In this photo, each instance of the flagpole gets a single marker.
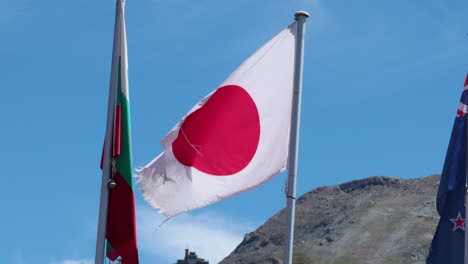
(466, 217)
(301, 17)
(107, 160)
(465, 253)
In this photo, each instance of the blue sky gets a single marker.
(382, 80)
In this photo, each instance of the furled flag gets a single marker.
(448, 243)
(121, 224)
(233, 140)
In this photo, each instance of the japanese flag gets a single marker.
(233, 140)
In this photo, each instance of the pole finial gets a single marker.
(301, 13)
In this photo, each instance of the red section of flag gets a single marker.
(117, 130)
(466, 82)
(112, 255)
(121, 224)
(222, 136)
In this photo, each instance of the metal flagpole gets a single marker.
(107, 161)
(301, 17)
(466, 217)
(465, 253)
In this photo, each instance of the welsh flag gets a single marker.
(121, 224)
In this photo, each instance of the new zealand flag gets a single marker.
(448, 243)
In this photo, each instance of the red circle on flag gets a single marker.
(222, 136)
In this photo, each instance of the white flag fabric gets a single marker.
(233, 140)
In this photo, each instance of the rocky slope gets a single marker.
(374, 220)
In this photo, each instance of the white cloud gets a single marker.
(212, 236)
(74, 261)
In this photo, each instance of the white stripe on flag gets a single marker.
(462, 108)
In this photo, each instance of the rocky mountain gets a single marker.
(374, 220)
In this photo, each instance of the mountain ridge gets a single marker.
(379, 219)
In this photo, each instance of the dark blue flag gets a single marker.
(449, 240)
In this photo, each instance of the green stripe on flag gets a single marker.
(124, 161)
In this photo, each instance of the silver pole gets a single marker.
(301, 17)
(106, 170)
(465, 253)
(466, 217)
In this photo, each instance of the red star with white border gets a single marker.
(459, 223)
